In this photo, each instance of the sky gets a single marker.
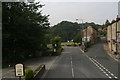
(97, 12)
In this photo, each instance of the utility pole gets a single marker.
(117, 34)
(81, 31)
(86, 38)
(111, 39)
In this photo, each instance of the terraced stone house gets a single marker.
(113, 37)
(90, 35)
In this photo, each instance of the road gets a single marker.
(73, 63)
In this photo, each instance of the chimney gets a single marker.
(117, 18)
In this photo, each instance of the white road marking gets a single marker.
(104, 68)
(101, 67)
(71, 62)
(116, 77)
(82, 51)
(72, 67)
(112, 74)
(72, 73)
(109, 77)
(104, 72)
(107, 71)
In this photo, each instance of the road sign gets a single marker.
(19, 70)
(55, 45)
(54, 50)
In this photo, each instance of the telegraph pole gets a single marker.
(81, 30)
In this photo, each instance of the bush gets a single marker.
(48, 52)
(29, 74)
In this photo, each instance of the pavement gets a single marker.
(74, 63)
(33, 63)
(115, 57)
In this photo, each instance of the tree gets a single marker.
(56, 42)
(104, 29)
(107, 23)
(78, 38)
(68, 30)
(24, 29)
(113, 21)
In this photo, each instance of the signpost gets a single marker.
(19, 70)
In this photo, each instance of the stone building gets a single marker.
(90, 35)
(113, 37)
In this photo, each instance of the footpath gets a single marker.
(33, 63)
(115, 57)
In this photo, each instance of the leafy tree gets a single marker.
(66, 30)
(107, 23)
(113, 21)
(104, 31)
(24, 29)
(56, 42)
(69, 30)
(78, 38)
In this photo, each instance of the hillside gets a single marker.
(69, 30)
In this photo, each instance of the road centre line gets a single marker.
(72, 67)
(71, 62)
(72, 73)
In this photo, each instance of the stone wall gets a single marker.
(118, 35)
(113, 37)
(109, 37)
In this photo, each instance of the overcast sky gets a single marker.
(66, 10)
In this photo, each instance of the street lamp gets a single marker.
(81, 30)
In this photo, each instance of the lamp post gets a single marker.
(82, 31)
(86, 39)
(117, 19)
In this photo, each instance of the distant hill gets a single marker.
(69, 30)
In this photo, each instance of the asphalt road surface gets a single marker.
(73, 63)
